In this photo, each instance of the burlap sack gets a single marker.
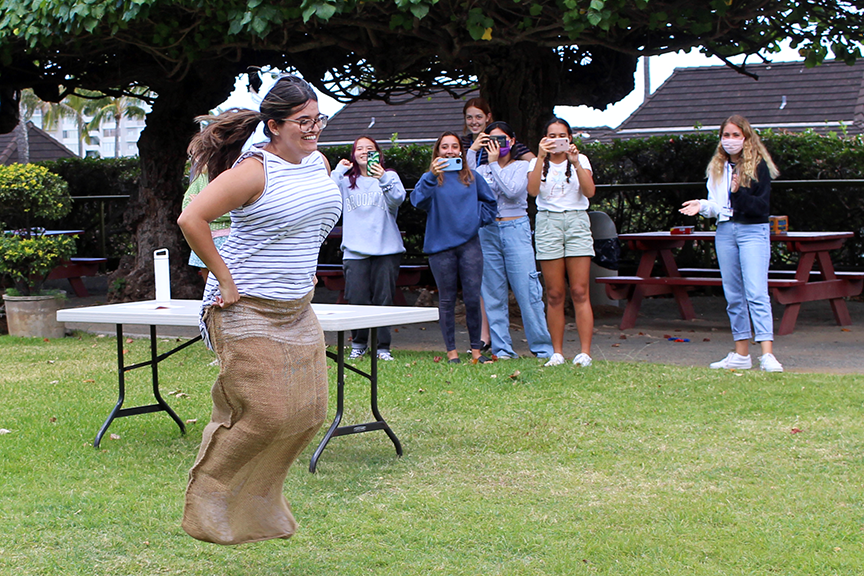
(268, 402)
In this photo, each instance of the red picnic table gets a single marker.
(790, 287)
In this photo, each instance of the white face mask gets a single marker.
(732, 146)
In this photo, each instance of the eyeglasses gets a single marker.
(306, 124)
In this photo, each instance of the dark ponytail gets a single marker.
(218, 145)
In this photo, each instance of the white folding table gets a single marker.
(333, 318)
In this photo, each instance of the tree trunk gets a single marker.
(520, 86)
(22, 137)
(152, 213)
(524, 83)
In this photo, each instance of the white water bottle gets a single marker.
(162, 272)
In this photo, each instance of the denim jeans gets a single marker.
(465, 263)
(508, 257)
(744, 253)
(371, 281)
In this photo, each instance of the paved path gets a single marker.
(817, 345)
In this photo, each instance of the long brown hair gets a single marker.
(466, 176)
(752, 155)
(218, 145)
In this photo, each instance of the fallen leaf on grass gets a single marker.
(125, 351)
(54, 382)
(94, 345)
(52, 419)
(46, 339)
(89, 380)
(449, 391)
(421, 390)
(129, 340)
(493, 376)
(845, 330)
(192, 421)
(100, 335)
(50, 361)
(114, 437)
(795, 431)
(5, 431)
(437, 359)
(515, 374)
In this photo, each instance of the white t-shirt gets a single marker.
(556, 193)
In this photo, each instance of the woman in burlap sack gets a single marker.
(271, 394)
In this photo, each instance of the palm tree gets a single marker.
(73, 106)
(116, 109)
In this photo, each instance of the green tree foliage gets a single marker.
(526, 56)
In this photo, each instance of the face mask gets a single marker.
(732, 146)
(504, 150)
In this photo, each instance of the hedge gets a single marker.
(660, 159)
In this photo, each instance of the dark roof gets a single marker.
(413, 120)
(42, 147)
(787, 96)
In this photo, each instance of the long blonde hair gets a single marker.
(751, 156)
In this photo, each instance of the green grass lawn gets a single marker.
(509, 468)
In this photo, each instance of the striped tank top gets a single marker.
(272, 250)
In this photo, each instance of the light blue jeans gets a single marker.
(744, 253)
(508, 257)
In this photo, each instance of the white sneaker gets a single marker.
(733, 361)
(555, 360)
(385, 355)
(582, 360)
(357, 353)
(769, 363)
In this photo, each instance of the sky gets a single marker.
(660, 68)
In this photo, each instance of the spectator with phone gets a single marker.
(561, 179)
(508, 256)
(372, 245)
(478, 115)
(457, 203)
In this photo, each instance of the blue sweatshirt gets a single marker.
(369, 214)
(455, 211)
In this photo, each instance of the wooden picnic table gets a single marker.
(806, 284)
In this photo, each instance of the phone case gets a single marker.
(560, 145)
(453, 164)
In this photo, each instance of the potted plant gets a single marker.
(30, 195)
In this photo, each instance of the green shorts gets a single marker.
(563, 235)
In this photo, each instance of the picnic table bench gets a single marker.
(334, 279)
(790, 287)
(74, 269)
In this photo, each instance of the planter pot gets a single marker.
(34, 316)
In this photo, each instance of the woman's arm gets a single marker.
(234, 188)
(487, 201)
(393, 190)
(755, 201)
(424, 191)
(585, 175)
(512, 183)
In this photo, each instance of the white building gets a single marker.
(102, 140)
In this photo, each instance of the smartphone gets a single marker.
(452, 164)
(373, 157)
(560, 145)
